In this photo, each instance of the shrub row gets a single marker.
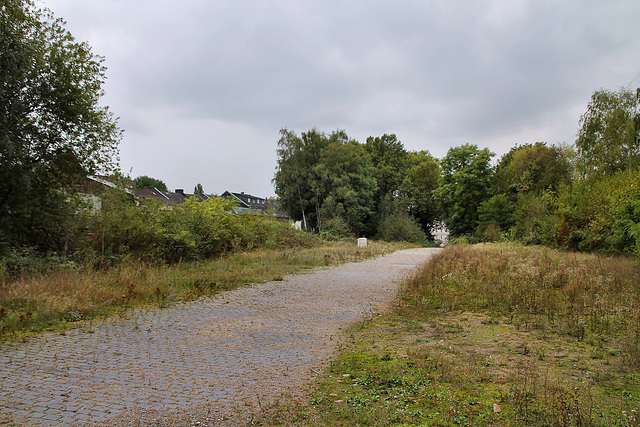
(153, 232)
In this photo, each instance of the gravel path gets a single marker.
(208, 362)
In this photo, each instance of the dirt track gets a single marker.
(209, 362)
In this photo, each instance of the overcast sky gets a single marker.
(202, 87)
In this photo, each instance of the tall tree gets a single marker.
(417, 191)
(346, 184)
(324, 179)
(294, 177)
(609, 135)
(389, 158)
(465, 183)
(52, 127)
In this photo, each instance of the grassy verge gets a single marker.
(490, 335)
(66, 296)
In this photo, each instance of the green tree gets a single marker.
(389, 158)
(52, 127)
(401, 227)
(601, 215)
(198, 190)
(145, 181)
(294, 177)
(324, 180)
(417, 191)
(465, 183)
(345, 184)
(527, 179)
(495, 214)
(533, 168)
(609, 135)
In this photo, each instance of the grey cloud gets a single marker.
(437, 73)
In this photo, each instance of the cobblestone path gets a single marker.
(239, 348)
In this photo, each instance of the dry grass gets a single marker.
(47, 301)
(583, 296)
(490, 335)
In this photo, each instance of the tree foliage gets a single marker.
(497, 213)
(297, 158)
(389, 159)
(466, 182)
(345, 183)
(609, 135)
(401, 227)
(52, 127)
(602, 215)
(145, 181)
(417, 191)
(533, 168)
(320, 178)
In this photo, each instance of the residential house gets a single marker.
(92, 188)
(166, 197)
(249, 203)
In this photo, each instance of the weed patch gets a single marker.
(490, 335)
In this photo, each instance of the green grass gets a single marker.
(63, 297)
(490, 335)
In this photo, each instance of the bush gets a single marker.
(336, 228)
(602, 215)
(400, 227)
(495, 215)
(150, 231)
(536, 219)
(193, 230)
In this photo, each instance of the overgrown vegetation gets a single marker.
(580, 197)
(69, 293)
(333, 183)
(52, 126)
(124, 230)
(490, 335)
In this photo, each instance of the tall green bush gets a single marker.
(537, 219)
(401, 227)
(193, 230)
(602, 215)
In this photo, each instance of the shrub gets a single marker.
(536, 219)
(400, 227)
(336, 228)
(494, 215)
(602, 215)
(193, 230)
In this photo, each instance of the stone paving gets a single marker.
(252, 343)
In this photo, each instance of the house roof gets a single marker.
(165, 197)
(248, 202)
(92, 184)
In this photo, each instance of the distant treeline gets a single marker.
(581, 197)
